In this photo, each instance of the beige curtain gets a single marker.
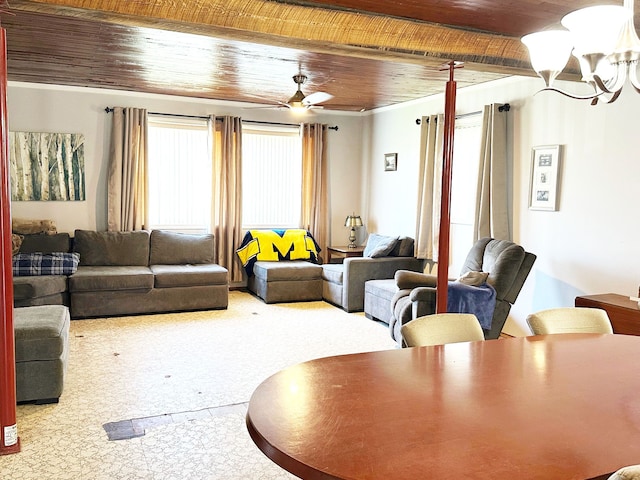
(429, 187)
(226, 193)
(315, 205)
(492, 204)
(127, 183)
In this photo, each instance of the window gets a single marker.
(271, 176)
(464, 184)
(179, 174)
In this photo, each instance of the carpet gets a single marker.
(189, 376)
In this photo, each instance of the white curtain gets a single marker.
(429, 187)
(127, 177)
(492, 203)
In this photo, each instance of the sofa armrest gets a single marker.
(358, 270)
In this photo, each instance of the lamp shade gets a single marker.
(353, 221)
(596, 29)
(549, 50)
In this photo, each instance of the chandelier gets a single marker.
(603, 39)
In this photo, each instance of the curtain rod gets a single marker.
(502, 108)
(255, 122)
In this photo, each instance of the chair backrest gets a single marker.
(569, 320)
(631, 472)
(441, 328)
(507, 263)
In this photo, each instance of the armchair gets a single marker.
(507, 264)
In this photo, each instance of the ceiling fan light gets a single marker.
(596, 29)
(297, 107)
(549, 51)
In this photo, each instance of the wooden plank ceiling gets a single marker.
(366, 53)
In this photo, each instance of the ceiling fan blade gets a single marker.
(279, 105)
(317, 97)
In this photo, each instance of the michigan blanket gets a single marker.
(275, 245)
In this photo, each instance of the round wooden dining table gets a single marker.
(541, 407)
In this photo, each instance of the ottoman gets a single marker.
(377, 299)
(286, 281)
(42, 348)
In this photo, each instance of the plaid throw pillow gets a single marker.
(27, 264)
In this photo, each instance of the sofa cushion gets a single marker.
(25, 288)
(89, 279)
(189, 275)
(171, 248)
(29, 264)
(43, 243)
(294, 270)
(41, 332)
(379, 246)
(333, 272)
(112, 248)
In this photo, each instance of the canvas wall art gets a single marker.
(47, 166)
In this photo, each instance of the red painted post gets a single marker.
(445, 199)
(9, 440)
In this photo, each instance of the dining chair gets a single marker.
(441, 328)
(569, 320)
(631, 472)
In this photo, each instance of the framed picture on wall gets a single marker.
(544, 184)
(390, 162)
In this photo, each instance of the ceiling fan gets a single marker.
(300, 102)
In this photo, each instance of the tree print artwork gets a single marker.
(47, 166)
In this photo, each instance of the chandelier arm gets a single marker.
(615, 96)
(633, 75)
(571, 95)
(614, 84)
(615, 93)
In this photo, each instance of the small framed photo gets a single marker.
(390, 162)
(544, 184)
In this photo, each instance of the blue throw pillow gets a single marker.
(379, 246)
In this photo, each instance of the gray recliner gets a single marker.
(507, 263)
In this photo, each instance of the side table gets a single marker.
(344, 252)
(622, 311)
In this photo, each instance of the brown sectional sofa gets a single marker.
(123, 273)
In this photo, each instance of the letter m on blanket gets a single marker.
(275, 245)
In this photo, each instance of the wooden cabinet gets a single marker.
(623, 312)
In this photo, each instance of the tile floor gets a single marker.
(174, 388)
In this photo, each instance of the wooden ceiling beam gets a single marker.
(319, 30)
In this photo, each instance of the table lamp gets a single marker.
(353, 221)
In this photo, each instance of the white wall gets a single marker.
(43, 108)
(586, 247)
